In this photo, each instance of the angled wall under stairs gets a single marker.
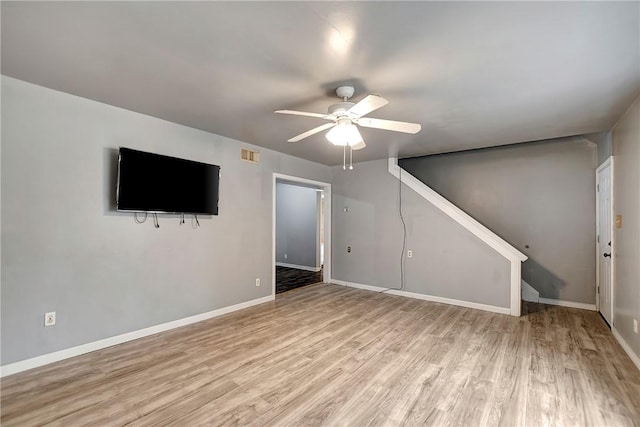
(377, 219)
(540, 197)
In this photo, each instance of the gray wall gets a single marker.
(66, 250)
(603, 142)
(626, 202)
(448, 261)
(296, 224)
(536, 194)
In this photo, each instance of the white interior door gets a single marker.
(604, 241)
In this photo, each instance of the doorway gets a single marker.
(301, 232)
(604, 241)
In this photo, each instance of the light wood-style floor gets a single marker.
(330, 355)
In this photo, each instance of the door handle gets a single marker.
(606, 255)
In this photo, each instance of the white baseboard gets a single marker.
(571, 304)
(299, 267)
(513, 255)
(45, 359)
(432, 298)
(626, 347)
(358, 285)
(451, 301)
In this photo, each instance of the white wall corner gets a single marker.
(501, 246)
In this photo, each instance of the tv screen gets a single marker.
(150, 182)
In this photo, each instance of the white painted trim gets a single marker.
(299, 267)
(450, 301)
(326, 187)
(432, 298)
(319, 219)
(296, 179)
(613, 242)
(597, 234)
(358, 285)
(514, 256)
(482, 232)
(627, 348)
(604, 165)
(45, 359)
(571, 304)
(515, 286)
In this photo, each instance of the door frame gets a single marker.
(607, 163)
(326, 187)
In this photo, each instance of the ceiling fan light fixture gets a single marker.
(344, 133)
(345, 115)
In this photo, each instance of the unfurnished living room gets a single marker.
(320, 213)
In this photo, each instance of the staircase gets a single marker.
(514, 256)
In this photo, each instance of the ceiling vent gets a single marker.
(250, 155)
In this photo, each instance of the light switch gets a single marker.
(618, 221)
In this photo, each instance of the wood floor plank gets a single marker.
(369, 403)
(508, 401)
(411, 410)
(331, 355)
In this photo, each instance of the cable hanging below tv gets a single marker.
(152, 183)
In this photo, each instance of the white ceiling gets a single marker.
(473, 74)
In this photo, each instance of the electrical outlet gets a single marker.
(635, 326)
(50, 319)
(257, 282)
(409, 254)
(285, 256)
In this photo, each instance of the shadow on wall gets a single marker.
(110, 178)
(542, 280)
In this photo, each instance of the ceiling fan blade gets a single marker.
(367, 105)
(311, 132)
(304, 113)
(390, 125)
(358, 146)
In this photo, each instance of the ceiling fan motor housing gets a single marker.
(345, 92)
(340, 108)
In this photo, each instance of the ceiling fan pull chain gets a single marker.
(351, 157)
(344, 157)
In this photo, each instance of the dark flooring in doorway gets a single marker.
(292, 278)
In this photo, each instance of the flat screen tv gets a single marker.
(150, 182)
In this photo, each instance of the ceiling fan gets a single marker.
(344, 117)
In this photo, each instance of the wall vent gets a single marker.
(250, 155)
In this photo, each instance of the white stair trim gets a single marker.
(529, 293)
(514, 256)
